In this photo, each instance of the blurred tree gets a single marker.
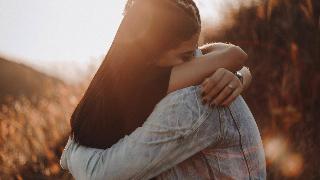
(282, 38)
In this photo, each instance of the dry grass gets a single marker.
(32, 134)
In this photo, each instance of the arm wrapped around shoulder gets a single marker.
(239, 54)
(218, 46)
(193, 72)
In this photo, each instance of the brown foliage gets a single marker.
(282, 39)
(32, 134)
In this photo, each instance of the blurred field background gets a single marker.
(282, 39)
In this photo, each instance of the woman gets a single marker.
(139, 70)
(144, 64)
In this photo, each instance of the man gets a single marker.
(181, 139)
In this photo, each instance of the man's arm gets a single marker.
(193, 72)
(214, 46)
(173, 132)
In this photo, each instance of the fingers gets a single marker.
(232, 97)
(221, 88)
(203, 84)
(228, 89)
(215, 84)
(215, 91)
(210, 82)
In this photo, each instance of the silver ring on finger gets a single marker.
(231, 86)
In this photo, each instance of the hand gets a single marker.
(221, 88)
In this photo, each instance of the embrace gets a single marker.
(161, 107)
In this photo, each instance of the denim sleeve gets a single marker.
(179, 127)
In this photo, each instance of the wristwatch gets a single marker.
(240, 76)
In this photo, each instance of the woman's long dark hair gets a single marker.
(128, 83)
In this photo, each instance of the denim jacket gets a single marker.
(181, 139)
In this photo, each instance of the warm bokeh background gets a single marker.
(282, 39)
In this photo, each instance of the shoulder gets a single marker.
(189, 96)
(179, 108)
(180, 97)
